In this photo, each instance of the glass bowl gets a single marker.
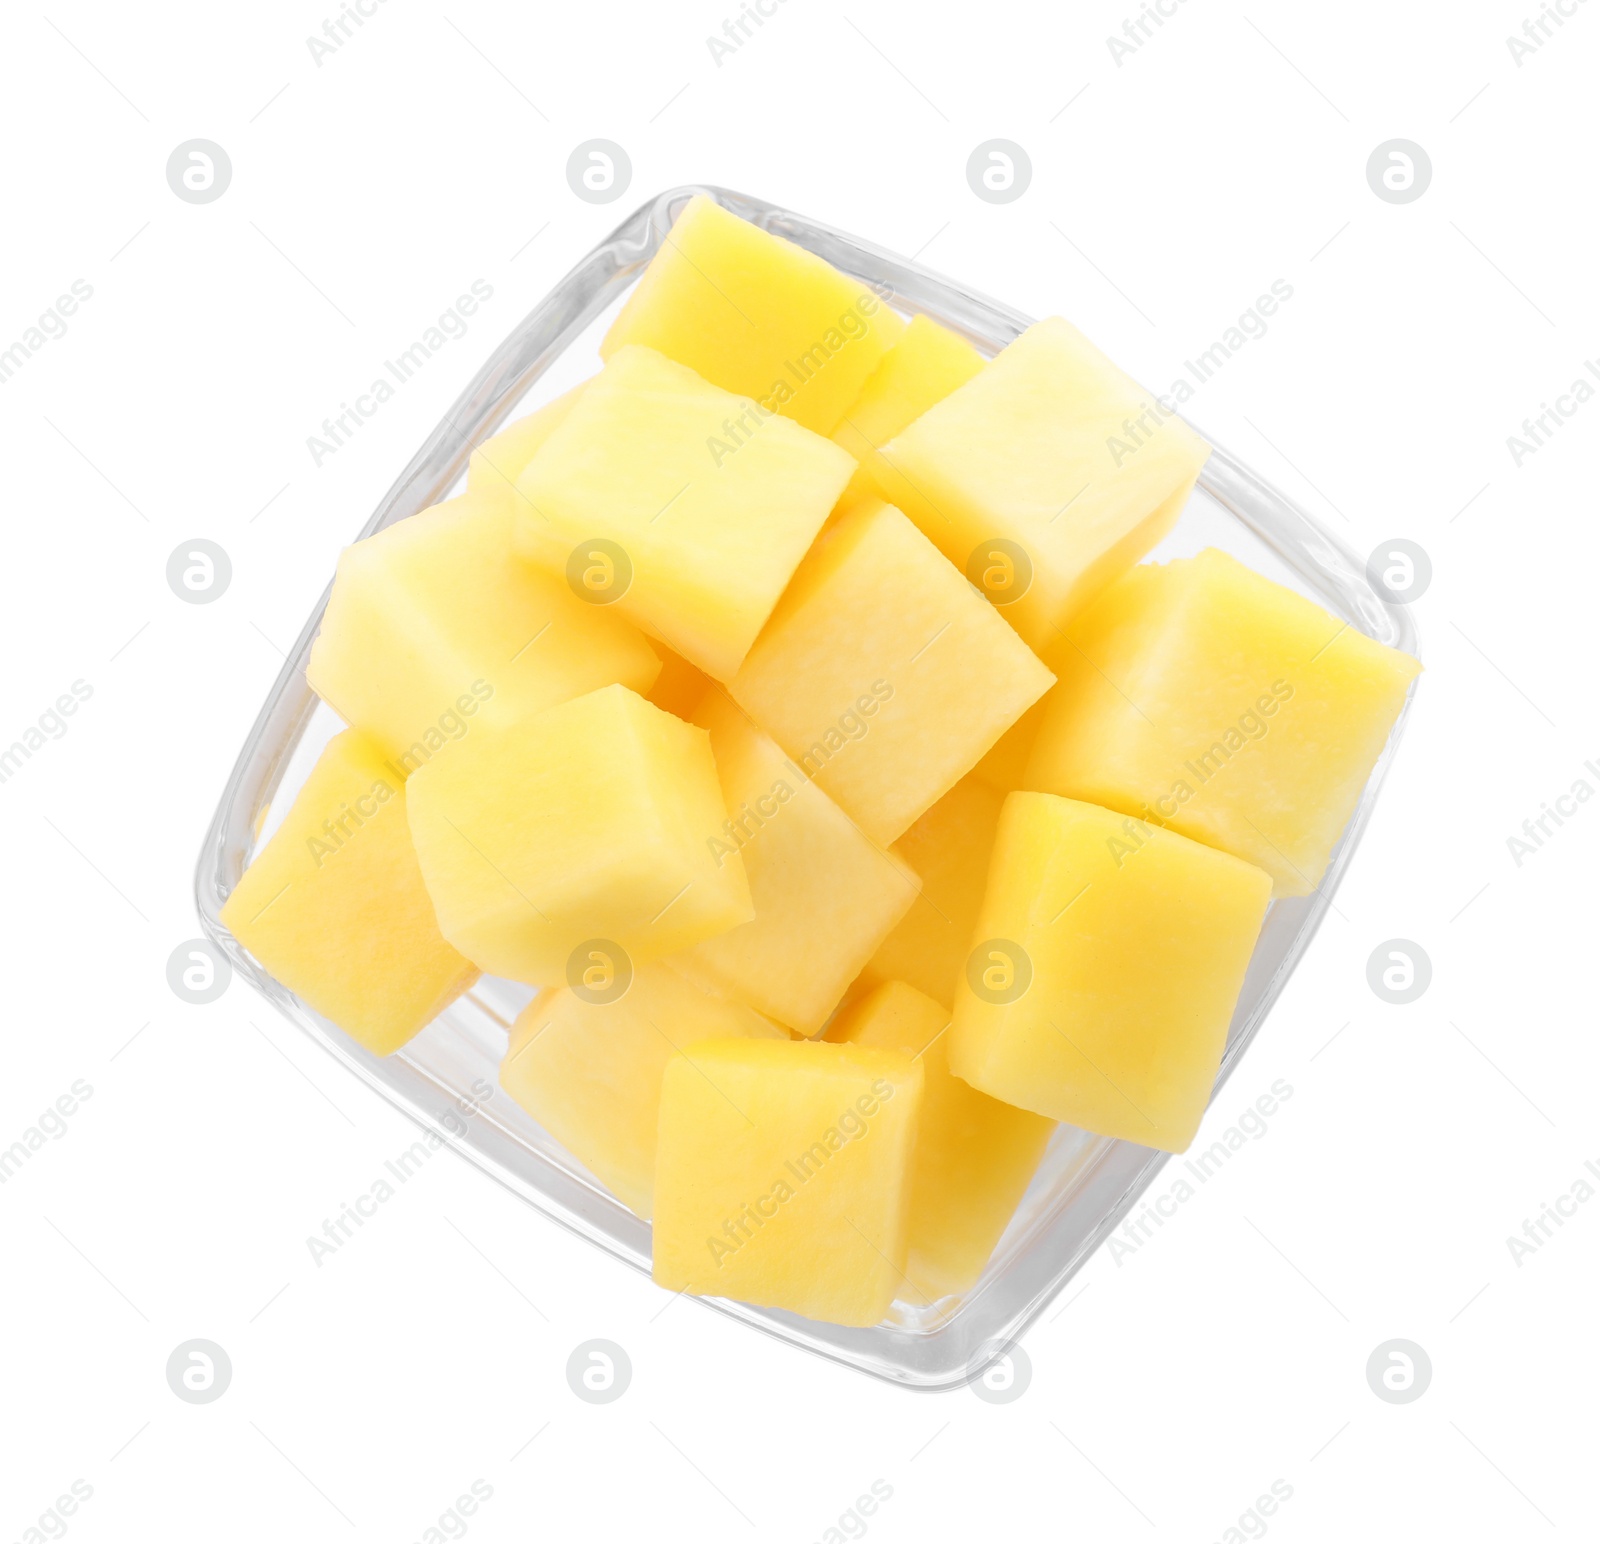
(1086, 1184)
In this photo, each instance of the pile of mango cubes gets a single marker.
(789, 705)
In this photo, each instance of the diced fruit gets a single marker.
(948, 848)
(824, 894)
(691, 504)
(924, 367)
(587, 1066)
(334, 905)
(783, 1175)
(1108, 958)
(974, 1155)
(497, 463)
(680, 686)
(435, 625)
(584, 825)
(1205, 698)
(757, 315)
(883, 673)
(1005, 764)
(1046, 475)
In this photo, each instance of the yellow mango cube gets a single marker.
(974, 1155)
(757, 315)
(1108, 958)
(335, 908)
(692, 505)
(587, 1066)
(1205, 698)
(1046, 475)
(584, 825)
(923, 368)
(435, 625)
(783, 1175)
(948, 849)
(824, 895)
(499, 461)
(884, 673)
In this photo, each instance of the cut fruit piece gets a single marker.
(690, 505)
(586, 825)
(497, 463)
(335, 908)
(1046, 475)
(587, 1066)
(825, 896)
(1109, 958)
(680, 686)
(1207, 699)
(883, 673)
(923, 368)
(1004, 766)
(948, 849)
(974, 1155)
(435, 625)
(783, 1175)
(757, 315)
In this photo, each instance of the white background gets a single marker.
(1168, 1391)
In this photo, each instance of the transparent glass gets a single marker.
(1086, 1183)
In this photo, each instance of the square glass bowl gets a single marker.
(446, 1078)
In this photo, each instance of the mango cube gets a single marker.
(1046, 475)
(588, 1068)
(335, 908)
(693, 504)
(948, 849)
(1205, 698)
(499, 461)
(757, 315)
(783, 1175)
(974, 1155)
(923, 368)
(884, 673)
(585, 825)
(1108, 958)
(824, 895)
(435, 625)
